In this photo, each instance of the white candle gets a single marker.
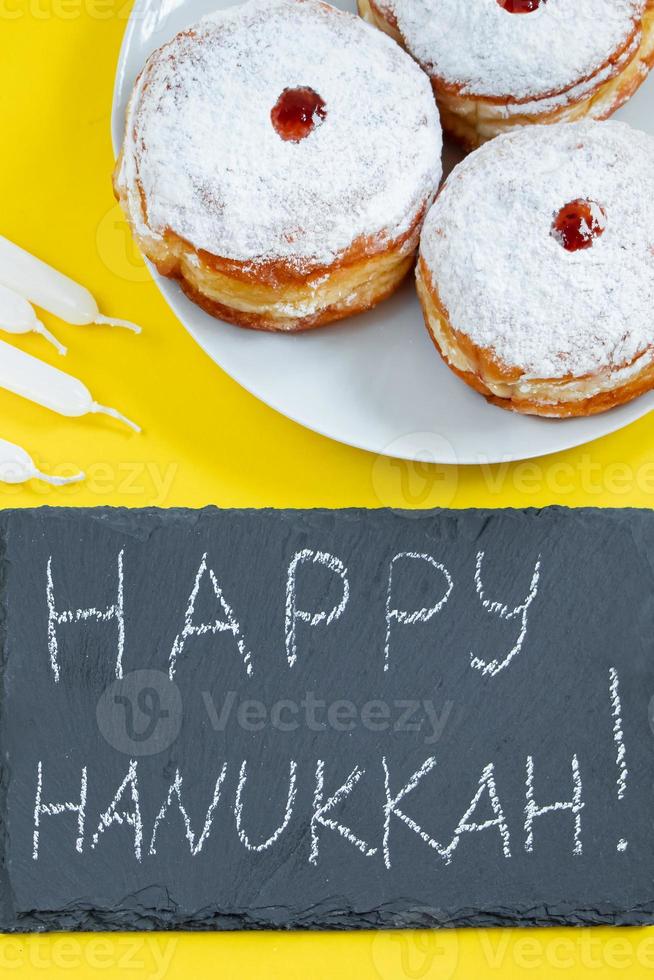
(17, 467)
(51, 290)
(48, 386)
(17, 316)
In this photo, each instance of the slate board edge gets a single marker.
(108, 920)
(6, 912)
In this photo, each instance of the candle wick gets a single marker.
(113, 322)
(115, 415)
(58, 481)
(44, 332)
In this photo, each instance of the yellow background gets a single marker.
(206, 441)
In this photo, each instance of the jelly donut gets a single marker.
(499, 64)
(278, 160)
(536, 268)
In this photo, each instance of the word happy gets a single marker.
(303, 563)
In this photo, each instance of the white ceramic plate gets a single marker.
(375, 381)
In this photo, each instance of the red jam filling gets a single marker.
(578, 224)
(521, 6)
(297, 112)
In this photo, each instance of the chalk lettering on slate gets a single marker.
(132, 817)
(467, 826)
(493, 667)
(322, 808)
(115, 611)
(53, 809)
(391, 808)
(405, 617)
(618, 738)
(293, 614)
(176, 791)
(228, 624)
(288, 813)
(336, 796)
(575, 805)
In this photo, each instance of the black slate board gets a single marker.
(531, 684)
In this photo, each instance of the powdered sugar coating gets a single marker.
(201, 146)
(508, 284)
(488, 51)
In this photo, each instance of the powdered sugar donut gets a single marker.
(279, 159)
(499, 64)
(536, 268)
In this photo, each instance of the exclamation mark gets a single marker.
(618, 738)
